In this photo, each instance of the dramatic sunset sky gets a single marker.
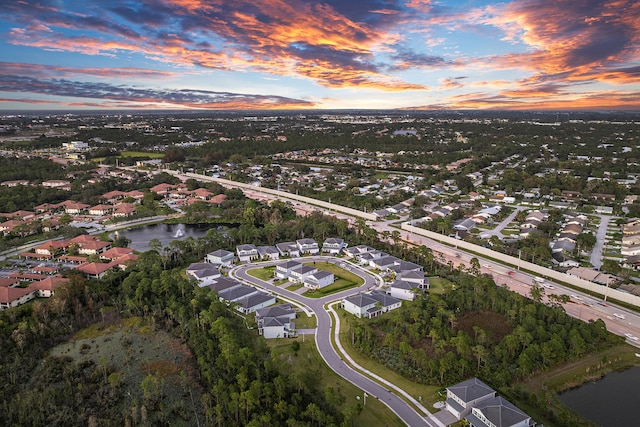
(332, 54)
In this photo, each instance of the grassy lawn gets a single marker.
(437, 285)
(344, 280)
(510, 231)
(307, 360)
(305, 322)
(294, 287)
(428, 393)
(337, 271)
(141, 154)
(265, 274)
(337, 286)
(133, 154)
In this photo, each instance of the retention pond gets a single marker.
(611, 401)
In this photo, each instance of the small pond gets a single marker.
(166, 233)
(611, 401)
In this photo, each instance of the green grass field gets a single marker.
(132, 154)
(344, 280)
(437, 285)
(265, 274)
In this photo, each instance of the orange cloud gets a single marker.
(49, 71)
(275, 36)
(615, 100)
(567, 38)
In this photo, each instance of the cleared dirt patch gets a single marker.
(495, 325)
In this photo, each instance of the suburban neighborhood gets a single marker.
(535, 205)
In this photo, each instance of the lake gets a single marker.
(611, 401)
(166, 233)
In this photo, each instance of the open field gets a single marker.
(125, 154)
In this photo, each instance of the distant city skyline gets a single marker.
(334, 54)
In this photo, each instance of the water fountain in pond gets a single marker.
(179, 231)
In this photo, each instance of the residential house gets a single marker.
(94, 270)
(632, 227)
(563, 260)
(100, 210)
(46, 207)
(11, 226)
(93, 247)
(46, 288)
(333, 245)
(405, 266)
(381, 213)
(283, 271)
(21, 215)
(462, 397)
(403, 290)
(237, 293)
(308, 246)
(115, 253)
(370, 304)
(113, 196)
(592, 275)
(465, 225)
(498, 411)
(13, 297)
(224, 283)
(289, 249)
(302, 273)
(15, 183)
(162, 189)
(202, 194)
(51, 248)
(135, 194)
(572, 228)
(57, 183)
(415, 276)
(74, 208)
(204, 272)
(123, 210)
(355, 251)
(384, 263)
(565, 246)
(256, 301)
(319, 279)
(26, 277)
(247, 253)
(125, 261)
(268, 253)
(276, 321)
(221, 257)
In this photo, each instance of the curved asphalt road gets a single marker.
(323, 338)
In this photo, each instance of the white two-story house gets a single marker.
(333, 246)
(307, 246)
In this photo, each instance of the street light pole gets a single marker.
(519, 258)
